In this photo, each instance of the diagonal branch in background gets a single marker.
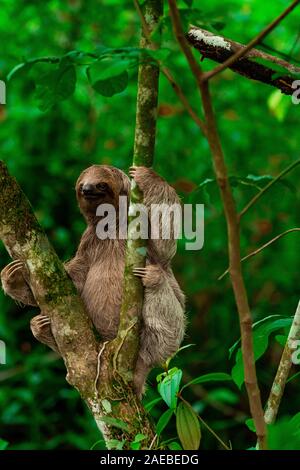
(232, 221)
(268, 69)
(108, 399)
(283, 371)
(261, 248)
(254, 42)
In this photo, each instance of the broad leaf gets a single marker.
(169, 387)
(261, 335)
(109, 76)
(188, 427)
(163, 421)
(56, 85)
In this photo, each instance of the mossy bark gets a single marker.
(89, 363)
(144, 145)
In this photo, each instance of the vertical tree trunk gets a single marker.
(144, 144)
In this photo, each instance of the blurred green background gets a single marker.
(46, 151)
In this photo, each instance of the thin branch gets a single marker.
(283, 370)
(243, 51)
(168, 74)
(268, 186)
(220, 48)
(258, 250)
(181, 39)
(233, 234)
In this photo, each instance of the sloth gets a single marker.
(97, 270)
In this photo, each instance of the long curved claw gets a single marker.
(43, 320)
(14, 265)
(139, 272)
(14, 269)
(132, 171)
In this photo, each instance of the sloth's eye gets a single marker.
(102, 186)
(80, 186)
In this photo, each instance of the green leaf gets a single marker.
(250, 424)
(163, 421)
(169, 387)
(223, 395)
(255, 325)
(278, 104)
(189, 3)
(174, 446)
(281, 339)
(106, 405)
(284, 434)
(261, 335)
(3, 444)
(116, 422)
(115, 444)
(56, 85)
(212, 377)
(136, 444)
(188, 427)
(109, 76)
(152, 403)
(139, 437)
(112, 86)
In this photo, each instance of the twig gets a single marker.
(283, 370)
(153, 441)
(168, 74)
(181, 39)
(233, 234)
(258, 250)
(267, 187)
(98, 366)
(213, 433)
(241, 52)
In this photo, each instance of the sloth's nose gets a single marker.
(88, 188)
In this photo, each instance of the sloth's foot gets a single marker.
(15, 282)
(41, 330)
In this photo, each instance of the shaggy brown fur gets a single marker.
(98, 267)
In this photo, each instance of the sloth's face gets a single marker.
(100, 184)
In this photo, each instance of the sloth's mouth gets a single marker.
(93, 196)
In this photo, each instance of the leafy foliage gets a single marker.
(51, 129)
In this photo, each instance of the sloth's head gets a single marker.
(100, 184)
